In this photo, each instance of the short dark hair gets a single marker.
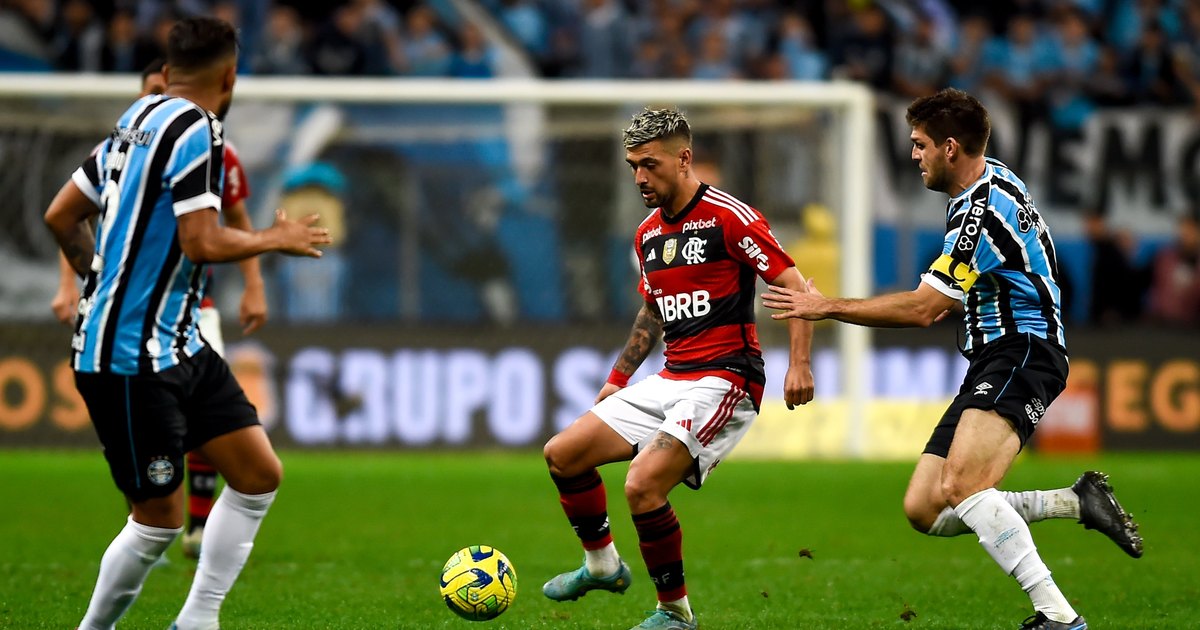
(198, 42)
(954, 114)
(154, 67)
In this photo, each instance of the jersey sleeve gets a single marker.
(965, 256)
(752, 243)
(237, 187)
(87, 176)
(196, 171)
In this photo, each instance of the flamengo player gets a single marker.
(998, 261)
(700, 252)
(201, 476)
(154, 389)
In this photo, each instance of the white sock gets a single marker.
(680, 606)
(1039, 505)
(948, 524)
(1032, 505)
(1005, 536)
(123, 569)
(602, 562)
(228, 539)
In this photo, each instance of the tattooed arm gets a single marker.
(67, 218)
(647, 330)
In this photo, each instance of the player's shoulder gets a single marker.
(729, 207)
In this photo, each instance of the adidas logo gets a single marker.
(651, 256)
(686, 424)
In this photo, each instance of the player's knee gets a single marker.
(956, 487)
(642, 493)
(260, 477)
(919, 513)
(554, 459)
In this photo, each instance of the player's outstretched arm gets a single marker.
(204, 240)
(253, 311)
(798, 384)
(918, 308)
(647, 330)
(67, 219)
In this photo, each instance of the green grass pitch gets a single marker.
(357, 540)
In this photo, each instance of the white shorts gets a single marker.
(210, 329)
(709, 416)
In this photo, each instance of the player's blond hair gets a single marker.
(657, 124)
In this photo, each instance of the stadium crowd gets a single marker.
(1053, 58)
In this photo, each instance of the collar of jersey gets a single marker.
(686, 209)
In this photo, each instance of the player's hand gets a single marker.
(608, 390)
(253, 311)
(299, 237)
(798, 385)
(943, 315)
(795, 304)
(65, 304)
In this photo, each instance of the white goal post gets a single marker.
(853, 134)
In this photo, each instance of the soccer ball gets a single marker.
(478, 583)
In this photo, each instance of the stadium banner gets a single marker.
(466, 387)
(1141, 165)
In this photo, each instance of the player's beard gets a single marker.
(937, 179)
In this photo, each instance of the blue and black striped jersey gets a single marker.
(141, 300)
(998, 258)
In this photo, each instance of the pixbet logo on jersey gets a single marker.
(683, 305)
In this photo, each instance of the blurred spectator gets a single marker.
(864, 52)
(1131, 18)
(797, 47)
(78, 45)
(647, 60)
(1175, 277)
(380, 33)
(425, 50)
(474, 58)
(282, 52)
(1118, 284)
(971, 50)
(527, 24)
(1072, 58)
(1015, 70)
(337, 49)
(604, 45)
(1151, 70)
(743, 39)
(922, 67)
(23, 38)
(713, 61)
(1107, 86)
(125, 50)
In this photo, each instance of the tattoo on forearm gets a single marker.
(647, 329)
(78, 252)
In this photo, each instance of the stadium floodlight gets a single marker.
(838, 114)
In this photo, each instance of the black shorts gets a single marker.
(147, 422)
(1017, 376)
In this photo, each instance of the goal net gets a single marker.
(496, 206)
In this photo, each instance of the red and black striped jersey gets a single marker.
(699, 271)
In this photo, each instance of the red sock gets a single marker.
(586, 506)
(661, 542)
(202, 486)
